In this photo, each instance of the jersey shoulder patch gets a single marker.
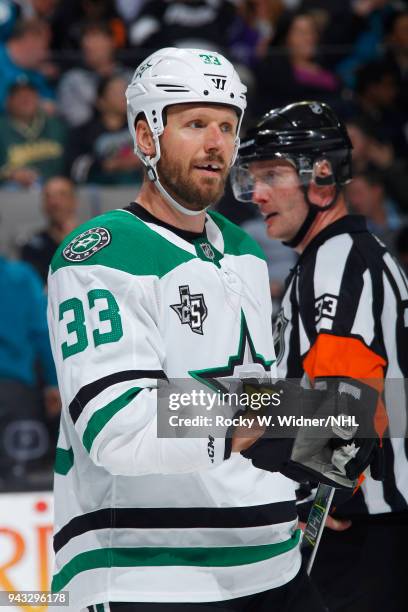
(118, 239)
(86, 244)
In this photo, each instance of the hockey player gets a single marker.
(343, 321)
(163, 290)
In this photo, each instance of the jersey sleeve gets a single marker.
(339, 314)
(109, 356)
(343, 323)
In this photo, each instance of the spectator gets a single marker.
(71, 17)
(24, 55)
(9, 12)
(401, 247)
(23, 341)
(32, 143)
(291, 71)
(43, 9)
(352, 32)
(78, 88)
(60, 209)
(366, 196)
(371, 154)
(101, 151)
(376, 101)
(370, 17)
(397, 53)
(253, 29)
(182, 23)
(128, 10)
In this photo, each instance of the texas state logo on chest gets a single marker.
(191, 309)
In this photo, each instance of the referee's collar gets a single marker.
(349, 224)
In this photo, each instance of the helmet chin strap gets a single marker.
(175, 204)
(151, 169)
(150, 164)
(314, 210)
(304, 228)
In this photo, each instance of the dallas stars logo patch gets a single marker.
(87, 244)
(192, 309)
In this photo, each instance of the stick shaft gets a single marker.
(315, 523)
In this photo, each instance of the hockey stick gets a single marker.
(315, 524)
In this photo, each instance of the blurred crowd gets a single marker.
(64, 68)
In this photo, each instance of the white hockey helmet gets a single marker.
(179, 76)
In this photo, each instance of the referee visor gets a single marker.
(281, 171)
(276, 172)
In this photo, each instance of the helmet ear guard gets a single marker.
(323, 173)
(149, 161)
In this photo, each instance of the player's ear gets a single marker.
(322, 188)
(144, 137)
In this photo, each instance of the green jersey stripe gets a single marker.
(228, 556)
(64, 460)
(102, 416)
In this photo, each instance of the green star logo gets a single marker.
(85, 244)
(245, 361)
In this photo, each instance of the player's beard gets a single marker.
(180, 183)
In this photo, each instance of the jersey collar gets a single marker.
(143, 214)
(349, 224)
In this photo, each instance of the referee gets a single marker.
(344, 315)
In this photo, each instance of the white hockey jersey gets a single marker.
(138, 517)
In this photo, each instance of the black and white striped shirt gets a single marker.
(345, 313)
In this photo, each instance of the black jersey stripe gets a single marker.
(401, 336)
(176, 518)
(375, 254)
(306, 295)
(88, 392)
(351, 288)
(294, 367)
(401, 339)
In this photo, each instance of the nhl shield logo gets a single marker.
(87, 244)
(207, 250)
(279, 336)
(316, 108)
(191, 310)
